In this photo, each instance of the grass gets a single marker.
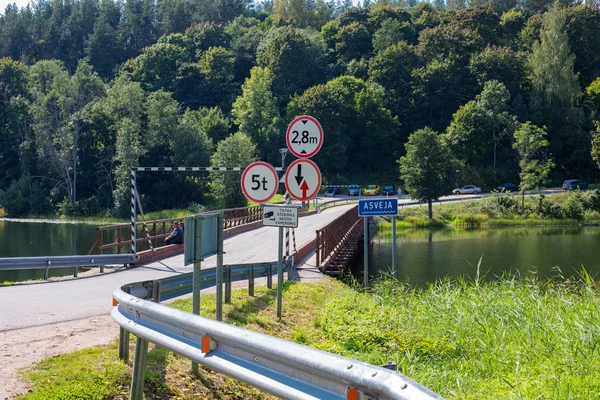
(502, 210)
(466, 339)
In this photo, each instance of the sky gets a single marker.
(4, 3)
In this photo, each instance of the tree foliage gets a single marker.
(428, 168)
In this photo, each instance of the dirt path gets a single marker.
(20, 348)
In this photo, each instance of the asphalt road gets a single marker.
(46, 303)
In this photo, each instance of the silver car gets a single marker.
(467, 189)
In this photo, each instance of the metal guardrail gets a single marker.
(178, 285)
(47, 262)
(284, 369)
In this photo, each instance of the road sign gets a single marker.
(280, 215)
(377, 207)
(200, 237)
(303, 179)
(259, 182)
(304, 136)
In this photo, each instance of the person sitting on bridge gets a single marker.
(176, 236)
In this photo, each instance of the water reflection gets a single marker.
(32, 239)
(427, 255)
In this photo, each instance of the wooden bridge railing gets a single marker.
(117, 238)
(334, 238)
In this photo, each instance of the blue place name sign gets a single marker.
(377, 207)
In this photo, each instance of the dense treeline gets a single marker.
(90, 88)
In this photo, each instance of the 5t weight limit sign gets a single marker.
(304, 136)
(259, 182)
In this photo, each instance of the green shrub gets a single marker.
(574, 207)
(593, 199)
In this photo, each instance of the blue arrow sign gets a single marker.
(377, 207)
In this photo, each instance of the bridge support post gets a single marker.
(139, 367)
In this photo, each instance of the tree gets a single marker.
(296, 59)
(58, 109)
(596, 144)
(482, 128)
(237, 150)
(257, 115)
(361, 134)
(428, 168)
(535, 163)
(555, 90)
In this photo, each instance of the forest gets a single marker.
(494, 91)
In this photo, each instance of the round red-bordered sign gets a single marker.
(259, 182)
(304, 136)
(303, 179)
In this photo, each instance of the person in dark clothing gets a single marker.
(176, 236)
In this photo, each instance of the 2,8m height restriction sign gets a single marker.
(259, 182)
(304, 136)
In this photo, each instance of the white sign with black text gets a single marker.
(285, 216)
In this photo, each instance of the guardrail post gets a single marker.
(269, 275)
(75, 272)
(228, 284)
(139, 367)
(289, 264)
(251, 281)
(123, 345)
(46, 270)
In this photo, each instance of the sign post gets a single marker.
(282, 216)
(377, 208)
(203, 237)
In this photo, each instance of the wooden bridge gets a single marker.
(335, 241)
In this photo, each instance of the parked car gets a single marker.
(354, 190)
(467, 189)
(572, 184)
(508, 187)
(389, 190)
(372, 190)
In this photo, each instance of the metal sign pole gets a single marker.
(219, 282)
(197, 226)
(394, 247)
(280, 273)
(366, 251)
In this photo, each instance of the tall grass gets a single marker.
(466, 338)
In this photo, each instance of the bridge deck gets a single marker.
(50, 302)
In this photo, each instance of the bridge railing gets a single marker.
(331, 238)
(117, 238)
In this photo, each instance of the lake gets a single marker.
(32, 239)
(427, 255)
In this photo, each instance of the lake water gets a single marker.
(32, 239)
(427, 255)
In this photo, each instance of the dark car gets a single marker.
(354, 190)
(508, 187)
(389, 190)
(572, 184)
